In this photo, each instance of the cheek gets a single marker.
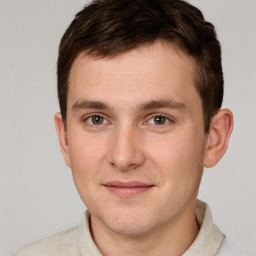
(85, 151)
(86, 156)
(178, 158)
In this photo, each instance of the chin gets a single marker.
(130, 229)
(129, 222)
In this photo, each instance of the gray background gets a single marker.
(37, 195)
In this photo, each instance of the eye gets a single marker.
(96, 120)
(159, 120)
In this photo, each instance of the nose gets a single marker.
(126, 149)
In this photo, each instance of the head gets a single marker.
(106, 29)
(140, 87)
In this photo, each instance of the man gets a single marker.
(140, 88)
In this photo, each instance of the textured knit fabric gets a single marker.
(77, 241)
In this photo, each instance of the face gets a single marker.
(135, 137)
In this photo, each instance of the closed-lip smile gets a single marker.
(127, 189)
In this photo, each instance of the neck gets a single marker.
(173, 238)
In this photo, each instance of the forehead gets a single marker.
(147, 71)
(161, 52)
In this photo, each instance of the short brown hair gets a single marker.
(106, 28)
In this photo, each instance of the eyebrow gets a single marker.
(84, 104)
(150, 105)
(154, 104)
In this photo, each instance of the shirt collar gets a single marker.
(209, 238)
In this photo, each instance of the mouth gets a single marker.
(127, 189)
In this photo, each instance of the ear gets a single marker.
(218, 136)
(62, 135)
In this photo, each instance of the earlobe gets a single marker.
(62, 136)
(218, 136)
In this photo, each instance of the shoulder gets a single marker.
(63, 243)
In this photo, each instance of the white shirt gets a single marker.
(77, 241)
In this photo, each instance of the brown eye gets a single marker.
(96, 120)
(160, 120)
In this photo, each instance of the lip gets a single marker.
(127, 189)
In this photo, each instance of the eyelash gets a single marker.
(168, 119)
(151, 116)
(93, 115)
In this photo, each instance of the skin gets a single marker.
(125, 142)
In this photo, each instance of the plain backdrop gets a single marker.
(37, 195)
